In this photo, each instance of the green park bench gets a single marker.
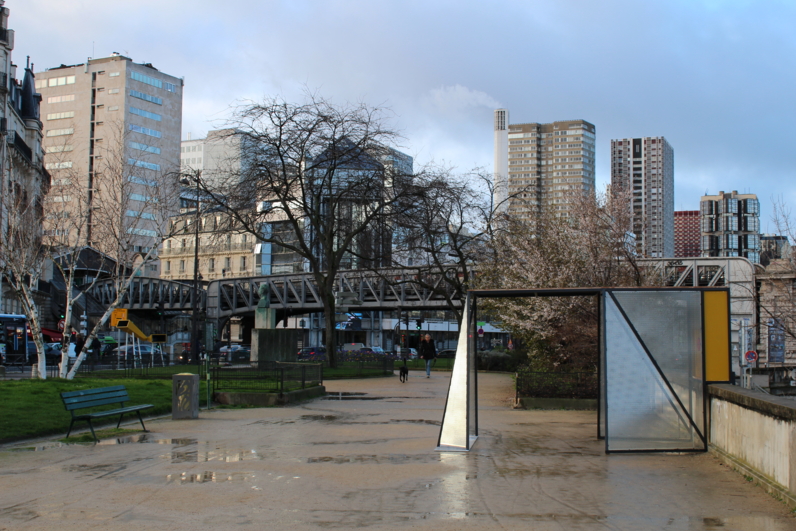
(102, 396)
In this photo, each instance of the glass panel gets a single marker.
(454, 432)
(642, 413)
(670, 325)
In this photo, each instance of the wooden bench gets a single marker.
(89, 398)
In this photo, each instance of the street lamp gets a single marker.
(187, 180)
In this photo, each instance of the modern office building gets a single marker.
(24, 182)
(730, 225)
(644, 169)
(542, 167)
(111, 115)
(219, 157)
(686, 234)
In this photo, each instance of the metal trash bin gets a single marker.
(185, 396)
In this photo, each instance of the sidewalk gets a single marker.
(368, 461)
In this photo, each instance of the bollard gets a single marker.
(185, 396)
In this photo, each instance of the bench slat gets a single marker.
(95, 403)
(103, 396)
(112, 412)
(98, 390)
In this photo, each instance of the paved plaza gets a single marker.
(368, 461)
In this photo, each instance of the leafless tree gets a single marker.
(317, 180)
(121, 211)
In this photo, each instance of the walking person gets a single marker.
(428, 352)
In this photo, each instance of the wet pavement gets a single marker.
(364, 458)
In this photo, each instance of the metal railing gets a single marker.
(136, 369)
(268, 376)
(556, 385)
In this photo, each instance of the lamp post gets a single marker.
(195, 298)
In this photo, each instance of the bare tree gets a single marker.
(22, 256)
(319, 181)
(121, 211)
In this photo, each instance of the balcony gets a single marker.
(7, 37)
(15, 140)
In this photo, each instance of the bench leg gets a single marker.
(142, 421)
(70, 427)
(120, 421)
(91, 427)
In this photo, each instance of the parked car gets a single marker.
(352, 346)
(311, 354)
(408, 353)
(447, 353)
(128, 352)
(234, 353)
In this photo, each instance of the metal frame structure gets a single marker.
(459, 428)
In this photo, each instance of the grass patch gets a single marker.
(107, 433)
(442, 364)
(33, 408)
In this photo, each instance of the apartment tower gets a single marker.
(644, 169)
(730, 225)
(542, 167)
(111, 111)
(686, 234)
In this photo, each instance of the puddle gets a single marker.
(209, 477)
(375, 459)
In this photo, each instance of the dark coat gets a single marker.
(427, 350)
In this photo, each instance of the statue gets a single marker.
(264, 291)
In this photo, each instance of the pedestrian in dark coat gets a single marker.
(428, 352)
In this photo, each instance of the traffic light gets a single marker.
(419, 324)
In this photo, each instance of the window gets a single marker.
(212, 265)
(145, 131)
(170, 87)
(168, 266)
(113, 108)
(182, 265)
(142, 232)
(227, 263)
(114, 74)
(113, 91)
(141, 215)
(243, 263)
(140, 180)
(61, 198)
(142, 164)
(61, 132)
(61, 182)
(146, 79)
(146, 97)
(143, 198)
(57, 165)
(61, 99)
(55, 81)
(182, 243)
(60, 115)
(144, 147)
(59, 149)
(145, 114)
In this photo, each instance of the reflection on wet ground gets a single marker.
(345, 464)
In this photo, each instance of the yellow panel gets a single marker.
(119, 314)
(717, 336)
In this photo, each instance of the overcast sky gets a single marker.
(716, 78)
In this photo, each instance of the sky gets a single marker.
(715, 78)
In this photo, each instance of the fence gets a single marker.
(134, 369)
(556, 385)
(268, 376)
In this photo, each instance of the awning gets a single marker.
(53, 336)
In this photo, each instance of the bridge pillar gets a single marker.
(264, 319)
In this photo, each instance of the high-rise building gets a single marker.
(24, 180)
(730, 225)
(644, 169)
(686, 233)
(542, 167)
(111, 111)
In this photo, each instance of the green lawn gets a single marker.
(441, 364)
(33, 408)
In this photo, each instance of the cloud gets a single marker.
(459, 100)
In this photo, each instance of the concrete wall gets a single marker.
(756, 434)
